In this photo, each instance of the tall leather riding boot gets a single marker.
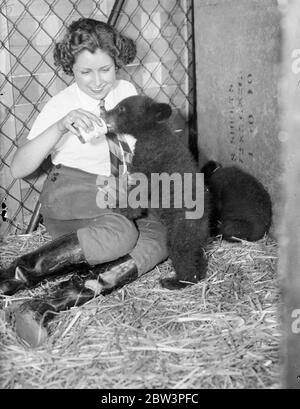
(31, 318)
(53, 259)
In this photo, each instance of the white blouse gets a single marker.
(93, 156)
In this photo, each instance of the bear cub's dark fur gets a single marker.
(240, 205)
(158, 150)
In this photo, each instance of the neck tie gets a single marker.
(118, 148)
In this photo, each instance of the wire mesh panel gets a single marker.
(163, 69)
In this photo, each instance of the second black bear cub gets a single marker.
(240, 205)
(158, 150)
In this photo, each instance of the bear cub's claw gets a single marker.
(172, 283)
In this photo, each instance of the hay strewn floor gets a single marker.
(221, 333)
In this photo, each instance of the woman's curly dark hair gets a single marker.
(89, 34)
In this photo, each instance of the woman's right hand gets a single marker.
(29, 156)
(78, 119)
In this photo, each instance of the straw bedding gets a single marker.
(223, 332)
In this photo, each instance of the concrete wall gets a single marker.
(237, 68)
(289, 237)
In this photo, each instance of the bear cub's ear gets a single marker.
(160, 112)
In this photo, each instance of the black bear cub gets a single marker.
(240, 205)
(158, 150)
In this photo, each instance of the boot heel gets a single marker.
(29, 321)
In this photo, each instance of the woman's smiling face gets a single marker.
(94, 73)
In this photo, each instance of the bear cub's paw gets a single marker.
(172, 283)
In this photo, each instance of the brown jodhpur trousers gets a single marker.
(69, 205)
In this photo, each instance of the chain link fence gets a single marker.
(163, 69)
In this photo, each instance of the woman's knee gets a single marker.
(113, 237)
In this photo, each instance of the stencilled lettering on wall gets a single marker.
(241, 122)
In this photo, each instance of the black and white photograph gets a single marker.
(149, 190)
